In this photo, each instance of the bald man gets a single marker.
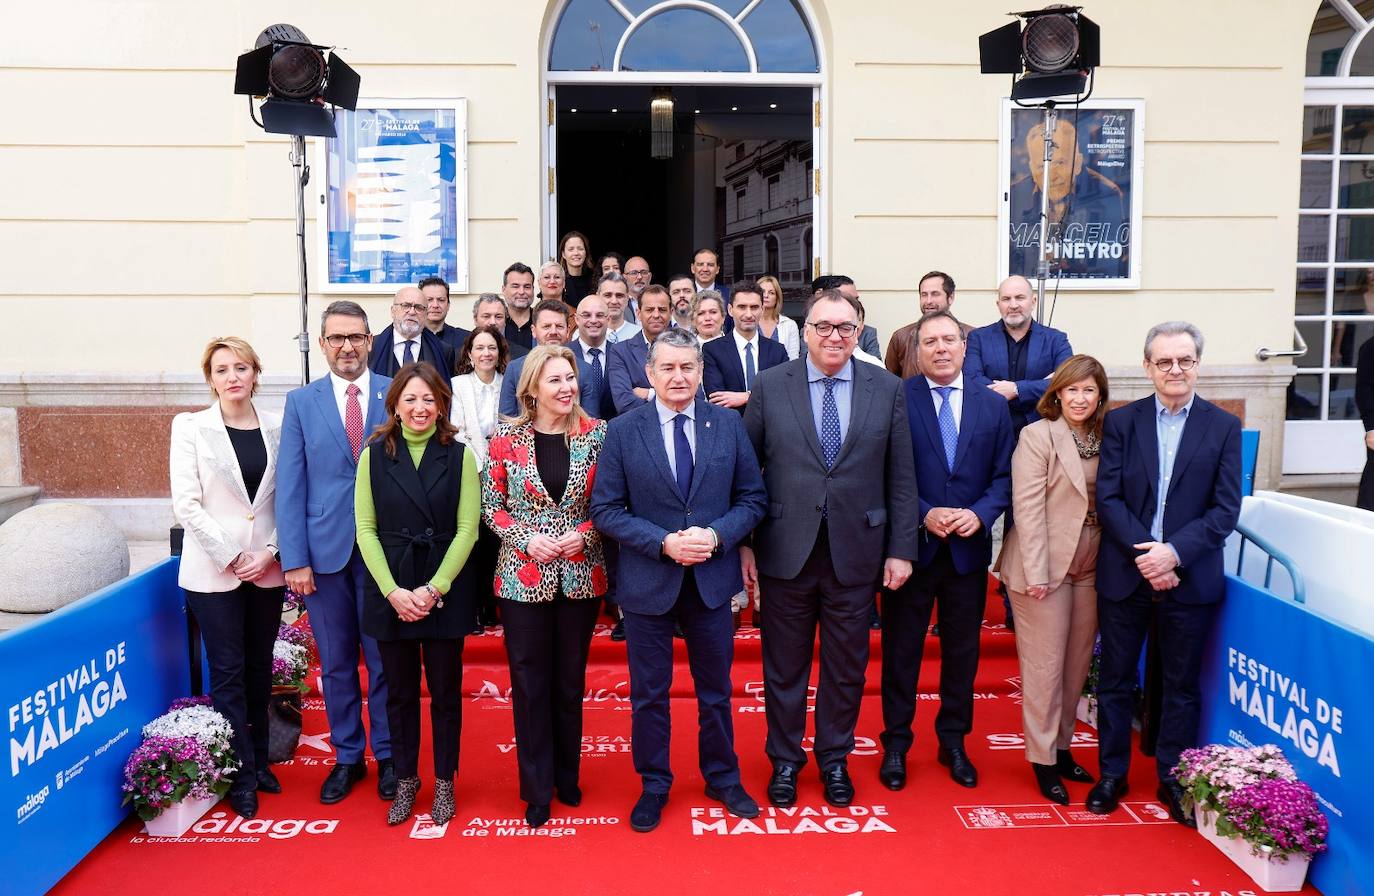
(407, 339)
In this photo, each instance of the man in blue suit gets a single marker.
(323, 429)
(1168, 496)
(679, 486)
(732, 362)
(962, 442)
(625, 367)
(551, 321)
(591, 348)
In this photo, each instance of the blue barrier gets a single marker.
(1281, 673)
(1249, 459)
(78, 688)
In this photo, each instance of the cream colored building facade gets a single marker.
(143, 212)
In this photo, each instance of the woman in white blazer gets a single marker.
(476, 395)
(223, 466)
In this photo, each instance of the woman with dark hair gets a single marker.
(476, 399)
(417, 502)
(551, 570)
(1049, 564)
(611, 263)
(575, 257)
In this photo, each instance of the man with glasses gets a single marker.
(1168, 496)
(637, 275)
(842, 521)
(407, 340)
(435, 291)
(844, 284)
(323, 428)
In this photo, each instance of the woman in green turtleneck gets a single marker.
(417, 502)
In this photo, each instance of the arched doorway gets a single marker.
(742, 85)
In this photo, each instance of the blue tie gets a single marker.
(409, 355)
(594, 378)
(949, 433)
(749, 368)
(830, 423)
(682, 455)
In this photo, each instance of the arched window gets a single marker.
(768, 36)
(772, 250)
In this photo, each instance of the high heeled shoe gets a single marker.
(404, 803)
(1072, 770)
(537, 815)
(444, 807)
(1051, 788)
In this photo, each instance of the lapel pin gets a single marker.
(708, 424)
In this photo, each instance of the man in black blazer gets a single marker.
(832, 437)
(407, 340)
(435, 291)
(734, 360)
(679, 488)
(961, 437)
(1168, 496)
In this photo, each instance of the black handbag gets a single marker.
(283, 723)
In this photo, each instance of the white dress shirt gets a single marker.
(627, 330)
(861, 355)
(666, 416)
(956, 399)
(341, 385)
(740, 343)
(600, 358)
(399, 346)
(488, 399)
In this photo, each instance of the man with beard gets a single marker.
(935, 293)
(638, 275)
(407, 340)
(517, 289)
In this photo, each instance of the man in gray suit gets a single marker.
(833, 440)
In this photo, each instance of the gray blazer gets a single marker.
(871, 490)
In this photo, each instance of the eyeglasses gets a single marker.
(409, 306)
(357, 340)
(637, 272)
(1164, 365)
(825, 328)
(587, 315)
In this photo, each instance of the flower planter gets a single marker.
(177, 819)
(1274, 874)
(1087, 711)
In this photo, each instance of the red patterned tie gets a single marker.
(353, 420)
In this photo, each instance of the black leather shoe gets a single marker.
(644, 817)
(875, 622)
(839, 790)
(782, 786)
(569, 796)
(677, 630)
(386, 779)
(1051, 788)
(737, 802)
(267, 782)
(537, 814)
(893, 770)
(1072, 770)
(1171, 795)
(340, 781)
(1104, 796)
(244, 802)
(618, 630)
(961, 770)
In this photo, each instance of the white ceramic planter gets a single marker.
(177, 819)
(1283, 874)
(1087, 710)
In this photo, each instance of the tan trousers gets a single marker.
(1054, 642)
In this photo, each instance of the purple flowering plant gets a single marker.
(290, 664)
(185, 754)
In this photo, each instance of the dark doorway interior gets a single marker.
(739, 180)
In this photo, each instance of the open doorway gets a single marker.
(739, 179)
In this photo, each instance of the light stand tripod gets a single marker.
(302, 178)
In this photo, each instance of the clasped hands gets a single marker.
(1157, 565)
(413, 605)
(249, 566)
(546, 548)
(689, 547)
(943, 522)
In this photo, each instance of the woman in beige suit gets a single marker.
(1049, 564)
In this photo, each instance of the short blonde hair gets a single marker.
(533, 368)
(239, 347)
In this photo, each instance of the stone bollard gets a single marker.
(53, 554)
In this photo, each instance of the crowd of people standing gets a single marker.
(597, 439)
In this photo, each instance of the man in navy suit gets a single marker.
(551, 319)
(591, 347)
(625, 368)
(407, 339)
(679, 487)
(705, 267)
(323, 429)
(733, 361)
(1168, 496)
(961, 438)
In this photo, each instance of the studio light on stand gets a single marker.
(297, 81)
(1053, 55)
(661, 124)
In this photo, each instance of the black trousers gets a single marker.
(483, 564)
(710, 637)
(239, 628)
(1181, 633)
(547, 645)
(1364, 498)
(959, 600)
(442, 660)
(793, 609)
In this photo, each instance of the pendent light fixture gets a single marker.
(661, 123)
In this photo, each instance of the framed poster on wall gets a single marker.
(1094, 193)
(393, 196)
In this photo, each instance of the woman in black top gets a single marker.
(223, 466)
(575, 255)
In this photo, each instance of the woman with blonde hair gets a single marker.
(550, 570)
(774, 324)
(1049, 564)
(708, 315)
(223, 470)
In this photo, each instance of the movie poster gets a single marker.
(394, 191)
(1093, 189)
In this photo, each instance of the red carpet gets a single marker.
(932, 837)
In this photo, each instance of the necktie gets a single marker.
(949, 433)
(830, 423)
(749, 368)
(353, 420)
(682, 454)
(410, 351)
(595, 377)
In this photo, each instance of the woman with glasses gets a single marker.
(774, 324)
